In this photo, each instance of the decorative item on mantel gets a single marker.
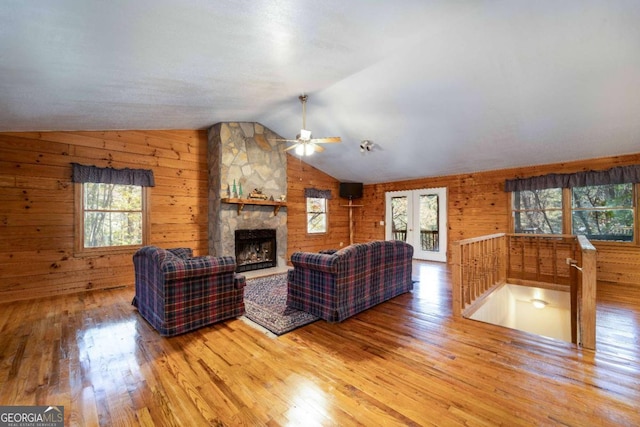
(257, 194)
(235, 190)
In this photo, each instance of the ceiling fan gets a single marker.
(304, 144)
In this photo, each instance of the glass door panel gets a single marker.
(399, 217)
(418, 217)
(429, 222)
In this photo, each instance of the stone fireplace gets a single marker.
(243, 157)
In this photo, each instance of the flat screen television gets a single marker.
(351, 190)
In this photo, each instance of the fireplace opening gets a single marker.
(255, 249)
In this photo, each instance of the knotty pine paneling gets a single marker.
(37, 209)
(477, 205)
(300, 176)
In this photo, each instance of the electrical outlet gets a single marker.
(381, 222)
(569, 261)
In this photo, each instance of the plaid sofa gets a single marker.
(178, 293)
(339, 284)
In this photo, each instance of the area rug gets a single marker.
(265, 301)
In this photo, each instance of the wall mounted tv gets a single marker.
(351, 190)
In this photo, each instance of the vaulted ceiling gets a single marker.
(440, 87)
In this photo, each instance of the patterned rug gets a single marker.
(265, 301)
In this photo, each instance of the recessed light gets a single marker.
(538, 303)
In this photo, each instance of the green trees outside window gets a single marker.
(538, 211)
(112, 215)
(601, 212)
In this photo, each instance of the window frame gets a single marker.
(524, 211)
(632, 207)
(79, 233)
(567, 215)
(325, 212)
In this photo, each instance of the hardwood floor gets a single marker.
(404, 362)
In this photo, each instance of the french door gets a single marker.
(419, 217)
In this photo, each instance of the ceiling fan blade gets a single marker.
(327, 140)
(318, 148)
(291, 148)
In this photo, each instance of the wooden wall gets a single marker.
(477, 205)
(300, 176)
(37, 206)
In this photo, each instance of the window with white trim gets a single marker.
(317, 221)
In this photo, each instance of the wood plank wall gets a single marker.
(37, 206)
(478, 206)
(300, 175)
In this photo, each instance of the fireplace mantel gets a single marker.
(241, 202)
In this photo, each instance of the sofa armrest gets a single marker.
(239, 281)
(314, 261)
(179, 268)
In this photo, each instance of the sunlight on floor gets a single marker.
(428, 275)
(108, 347)
(309, 404)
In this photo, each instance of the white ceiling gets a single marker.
(441, 87)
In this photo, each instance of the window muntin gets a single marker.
(600, 212)
(603, 212)
(538, 211)
(316, 215)
(110, 217)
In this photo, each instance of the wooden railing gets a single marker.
(478, 268)
(559, 262)
(429, 239)
(586, 293)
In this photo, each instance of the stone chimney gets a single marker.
(247, 155)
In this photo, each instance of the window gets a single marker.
(316, 215)
(111, 209)
(538, 211)
(598, 204)
(603, 212)
(600, 212)
(112, 215)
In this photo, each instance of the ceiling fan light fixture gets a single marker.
(305, 149)
(305, 135)
(309, 149)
